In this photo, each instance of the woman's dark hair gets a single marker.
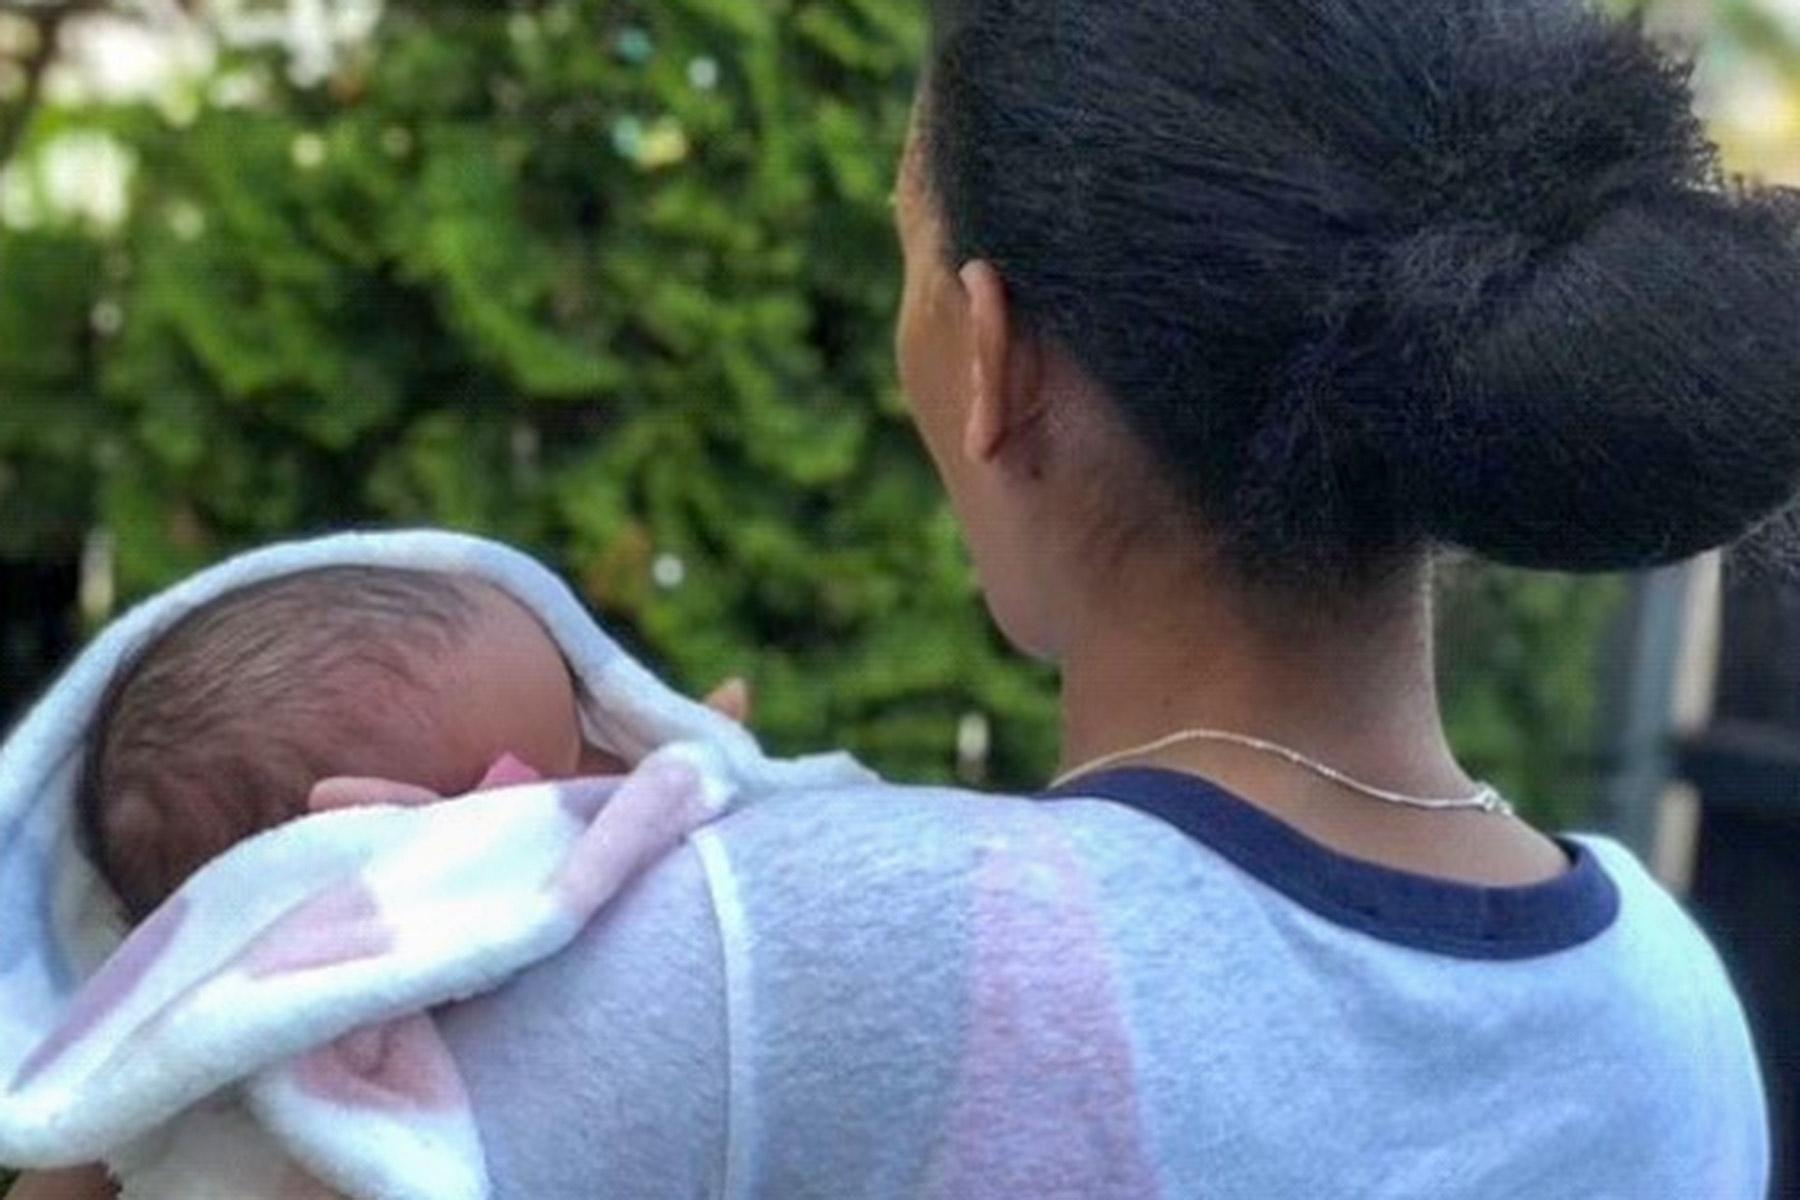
(1367, 276)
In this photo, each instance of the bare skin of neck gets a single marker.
(1357, 694)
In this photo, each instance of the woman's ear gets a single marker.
(1005, 393)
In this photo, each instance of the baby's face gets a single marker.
(507, 690)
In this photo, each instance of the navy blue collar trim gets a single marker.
(1466, 920)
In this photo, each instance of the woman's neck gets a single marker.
(1357, 694)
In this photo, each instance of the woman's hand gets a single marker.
(93, 1183)
(79, 1183)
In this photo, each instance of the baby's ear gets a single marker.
(349, 791)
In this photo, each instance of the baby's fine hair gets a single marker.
(219, 729)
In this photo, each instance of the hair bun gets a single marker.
(1630, 398)
(1365, 277)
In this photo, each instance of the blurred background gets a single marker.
(614, 280)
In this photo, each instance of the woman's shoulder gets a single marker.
(1659, 937)
(923, 839)
(903, 880)
(801, 965)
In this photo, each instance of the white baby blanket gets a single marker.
(295, 970)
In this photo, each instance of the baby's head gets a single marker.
(221, 728)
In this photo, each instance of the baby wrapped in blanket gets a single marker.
(222, 727)
(271, 702)
(283, 685)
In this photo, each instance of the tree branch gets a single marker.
(47, 23)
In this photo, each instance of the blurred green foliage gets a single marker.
(613, 281)
(1520, 659)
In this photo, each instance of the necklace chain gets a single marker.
(1485, 796)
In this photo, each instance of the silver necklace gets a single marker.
(1485, 797)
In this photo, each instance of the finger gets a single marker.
(731, 698)
(349, 791)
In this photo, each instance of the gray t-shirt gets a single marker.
(919, 992)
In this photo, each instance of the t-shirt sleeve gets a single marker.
(602, 1072)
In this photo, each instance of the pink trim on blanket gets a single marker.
(655, 807)
(341, 925)
(402, 1065)
(108, 989)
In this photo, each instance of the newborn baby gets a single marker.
(308, 692)
(227, 725)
